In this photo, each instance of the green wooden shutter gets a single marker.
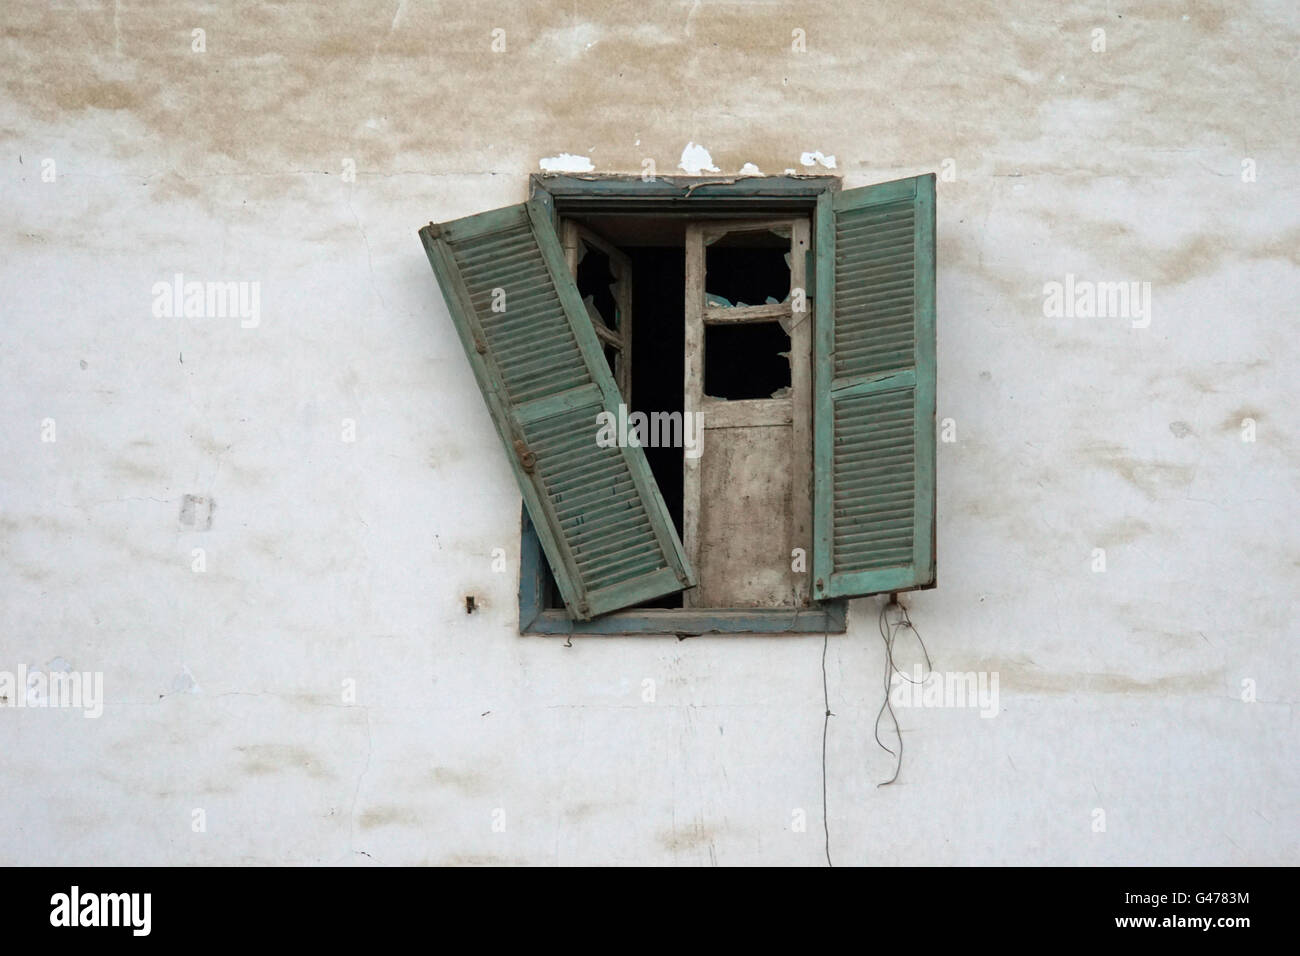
(601, 520)
(874, 385)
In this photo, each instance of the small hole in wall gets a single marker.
(470, 605)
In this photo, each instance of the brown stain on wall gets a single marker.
(1152, 478)
(99, 96)
(481, 859)
(137, 471)
(298, 86)
(1124, 532)
(46, 524)
(388, 816)
(263, 759)
(1201, 255)
(467, 782)
(1130, 255)
(1023, 677)
(581, 811)
(1029, 682)
(1210, 378)
(691, 837)
(1233, 422)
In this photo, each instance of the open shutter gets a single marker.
(598, 513)
(874, 386)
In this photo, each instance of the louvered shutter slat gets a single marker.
(598, 513)
(873, 482)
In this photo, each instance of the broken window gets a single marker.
(748, 497)
(746, 360)
(604, 279)
(759, 357)
(747, 267)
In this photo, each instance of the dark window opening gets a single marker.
(658, 344)
(594, 281)
(746, 360)
(747, 268)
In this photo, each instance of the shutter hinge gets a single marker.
(480, 346)
(526, 458)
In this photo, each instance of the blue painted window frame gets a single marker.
(695, 198)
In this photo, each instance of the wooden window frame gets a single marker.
(796, 409)
(697, 199)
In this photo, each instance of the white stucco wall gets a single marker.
(329, 561)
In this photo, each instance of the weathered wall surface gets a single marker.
(330, 561)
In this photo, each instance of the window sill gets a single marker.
(830, 617)
(826, 617)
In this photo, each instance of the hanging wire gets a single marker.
(889, 634)
(826, 723)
